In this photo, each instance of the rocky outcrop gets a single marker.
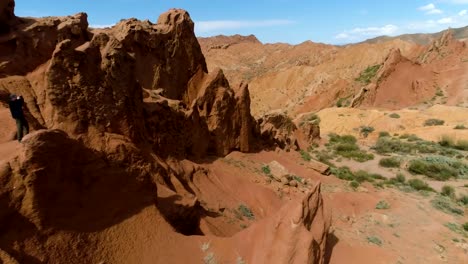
(7, 15)
(296, 234)
(93, 83)
(58, 183)
(440, 48)
(279, 129)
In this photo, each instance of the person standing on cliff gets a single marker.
(16, 108)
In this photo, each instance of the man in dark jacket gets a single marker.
(16, 109)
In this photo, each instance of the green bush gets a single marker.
(463, 200)
(374, 240)
(382, 205)
(366, 130)
(305, 155)
(394, 115)
(434, 122)
(335, 138)
(245, 211)
(400, 178)
(354, 184)
(446, 205)
(346, 146)
(266, 169)
(435, 170)
(461, 127)
(368, 74)
(465, 226)
(390, 162)
(448, 191)
(419, 185)
(384, 134)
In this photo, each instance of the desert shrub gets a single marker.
(384, 134)
(343, 173)
(324, 157)
(460, 127)
(368, 74)
(433, 169)
(462, 145)
(400, 178)
(342, 102)
(366, 130)
(448, 191)
(465, 226)
(305, 155)
(463, 200)
(434, 122)
(382, 205)
(419, 185)
(246, 212)
(446, 205)
(375, 240)
(335, 138)
(354, 184)
(266, 169)
(405, 136)
(446, 141)
(413, 138)
(346, 146)
(390, 162)
(387, 145)
(394, 115)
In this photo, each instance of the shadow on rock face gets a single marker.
(65, 186)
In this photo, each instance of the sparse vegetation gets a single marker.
(346, 146)
(384, 134)
(394, 115)
(450, 142)
(266, 169)
(342, 102)
(246, 212)
(366, 130)
(374, 240)
(390, 162)
(460, 127)
(305, 155)
(456, 228)
(382, 205)
(314, 119)
(446, 205)
(438, 167)
(448, 191)
(368, 74)
(463, 200)
(465, 226)
(437, 171)
(434, 122)
(419, 185)
(354, 184)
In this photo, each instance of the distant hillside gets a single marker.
(422, 39)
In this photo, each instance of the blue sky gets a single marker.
(290, 21)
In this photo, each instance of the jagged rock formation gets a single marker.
(281, 129)
(294, 235)
(442, 47)
(118, 112)
(7, 15)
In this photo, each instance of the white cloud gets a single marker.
(445, 20)
(362, 33)
(220, 25)
(457, 1)
(463, 13)
(430, 9)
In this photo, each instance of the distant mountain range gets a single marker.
(422, 39)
